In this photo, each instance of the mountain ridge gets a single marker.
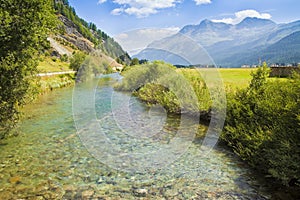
(224, 41)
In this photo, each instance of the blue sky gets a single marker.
(117, 16)
(137, 23)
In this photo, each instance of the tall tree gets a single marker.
(24, 28)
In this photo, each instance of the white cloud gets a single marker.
(239, 16)
(200, 2)
(142, 8)
(140, 12)
(137, 40)
(122, 36)
(117, 11)
(101, 1)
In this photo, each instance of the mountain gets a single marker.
(251, 22)
(232, 45)
(286, 50)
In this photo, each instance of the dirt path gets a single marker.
(55, 73)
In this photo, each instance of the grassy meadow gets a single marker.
(49, 64)
(233, 78)
(53, 64)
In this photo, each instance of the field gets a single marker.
(236, 77)
(232, 78)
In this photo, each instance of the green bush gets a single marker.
(158, 94)
(160, 83)
(77, 60)
(92, 66)
(64, 58)
(263, 125)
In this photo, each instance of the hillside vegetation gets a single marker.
(89, 31)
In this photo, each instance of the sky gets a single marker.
(160, 18)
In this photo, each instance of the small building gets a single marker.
(245, 66)
(284, 71)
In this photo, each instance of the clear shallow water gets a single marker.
(48, 160)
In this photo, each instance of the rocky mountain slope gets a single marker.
(76, 34)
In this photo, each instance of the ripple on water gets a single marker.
(48, 160)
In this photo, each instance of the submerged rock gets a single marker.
(87, 194)
(140, 192)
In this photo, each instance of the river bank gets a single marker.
(51, 162)
(54, 81)
(253, 129)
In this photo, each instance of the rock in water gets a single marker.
(87, 194)
(141, 192)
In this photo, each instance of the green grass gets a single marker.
(232, 78)
(52, 65)
(55, 82)
(236, 77)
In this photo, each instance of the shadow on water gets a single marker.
(48, 161)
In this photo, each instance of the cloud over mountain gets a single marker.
(240, 15)
(136, 40)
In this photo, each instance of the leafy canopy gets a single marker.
(24, 28)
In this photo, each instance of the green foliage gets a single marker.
(160, 83)
(134, 61)
(64, 58)
(157, 94)
(92, 66)
(54, 82)
(24, 28)
(259, 78)
(263, 125)
(143, 61)
(137, 76)
(77, 60)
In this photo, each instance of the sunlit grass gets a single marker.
(232, 78)
(52, 65)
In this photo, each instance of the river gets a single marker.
(49, 160)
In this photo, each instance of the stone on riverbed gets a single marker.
(87, 194)
(140, 192)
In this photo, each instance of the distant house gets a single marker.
(284, 71)
(245, 66)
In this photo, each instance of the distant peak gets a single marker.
(213, 25)
(254, 21)
(205, 22)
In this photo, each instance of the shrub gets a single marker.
(64, 58)
(160, 83)
(77, 60)
(263, 125)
